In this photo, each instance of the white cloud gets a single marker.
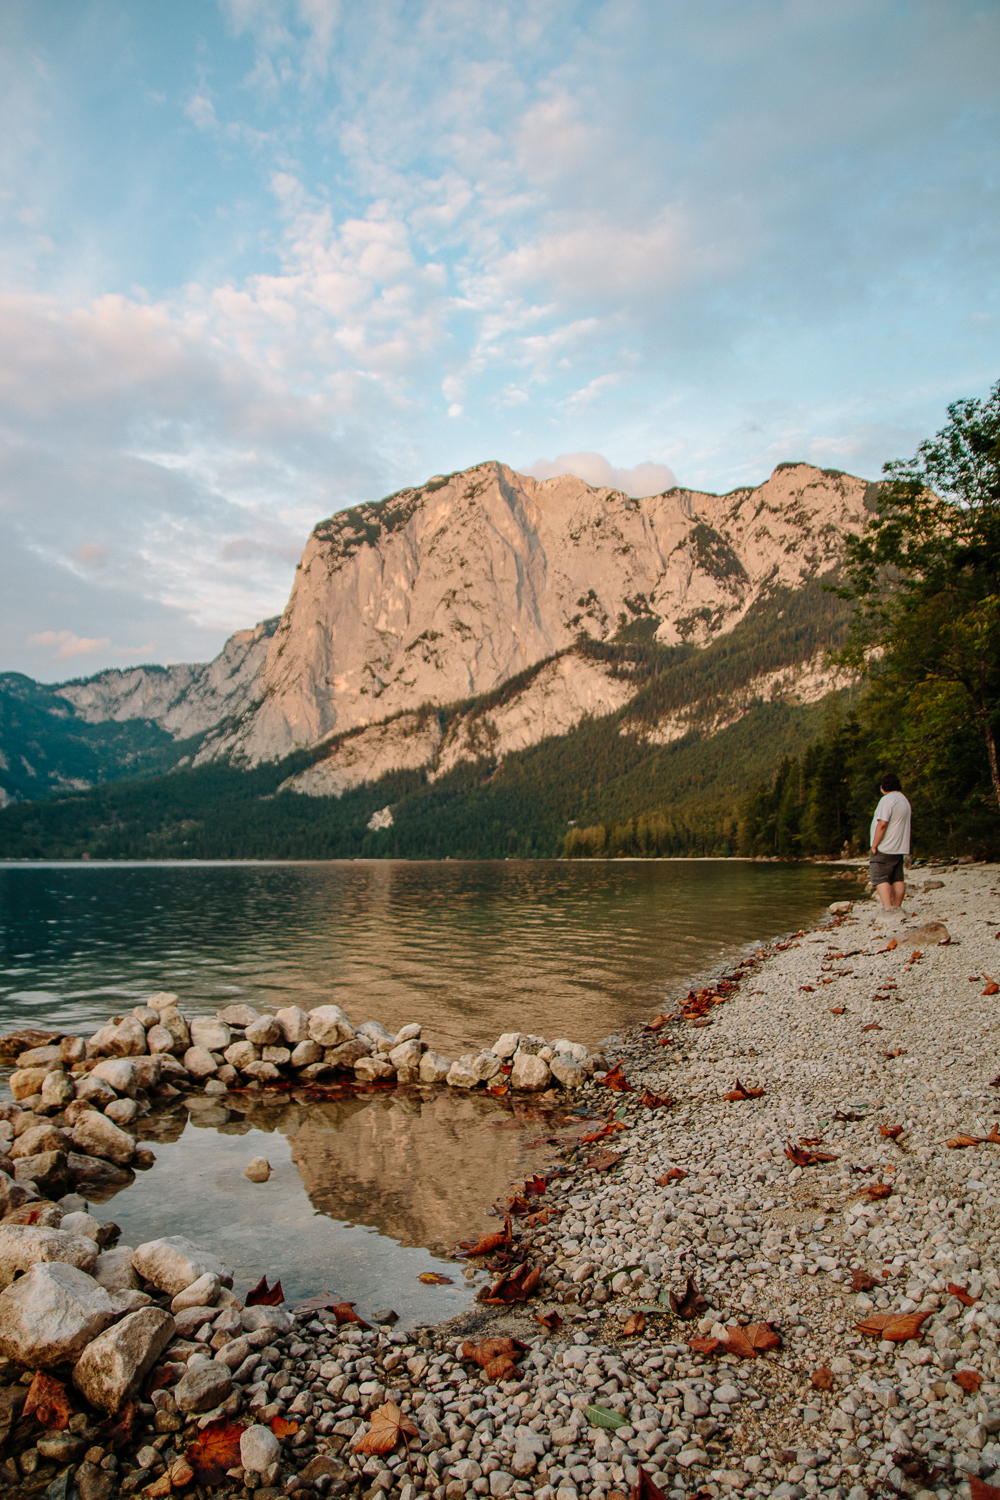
(594, 468)
(69, 644)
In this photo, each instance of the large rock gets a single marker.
(203, 1387)
(26, 1245)
(506, 1045)
(110, 1370)
(26, 1082)
(50, 1314)
(12, 1194)
(383, 1040)
(529, 1072)
(575, 1051)
(119, 1073)
(200, 1063)
(98, 1136)
(172, 1263)
(294, 1025)
(373, 1070)
(460, 1074)
(80, 1222)
(201, 1293)
(485, 1065)
(434, 1067)
(304, 1053)
(47, 1170)
(96, 1091)
(274, 1318)
(280, 1056)
(265, 1032)
(259, 1449)
(407, 1054)
(237, 1015)
(565, 1071)
(114, 1271)
(174, 1022)
(329, 1026)
(40, 1057)
(38, 1138)
(927, 936)
(242, 1054)
(126, 1039)
(163, 1000)
(57, 1090)
(409, 1033)
(96, 1174)
(348, 1053)
(263, 1072)
(159, 1039)
(214, 1036)
(190, 1319)
(148, 1071)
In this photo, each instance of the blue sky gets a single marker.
(261, 259)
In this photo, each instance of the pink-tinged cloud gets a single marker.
(644, 479)
(68, 643)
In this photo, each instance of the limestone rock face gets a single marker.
(50, 1314)
(111, 1368)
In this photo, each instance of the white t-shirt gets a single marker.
(894, 810)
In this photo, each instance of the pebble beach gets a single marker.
(771, 1270)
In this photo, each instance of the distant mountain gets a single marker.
(469, 620)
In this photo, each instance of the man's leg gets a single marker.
(898, 892)
(885, 894)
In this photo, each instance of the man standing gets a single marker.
(890, 840)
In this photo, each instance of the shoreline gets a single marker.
(745, 1221)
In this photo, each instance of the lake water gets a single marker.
(368, 1189)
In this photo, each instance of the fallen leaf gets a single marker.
(516, 1286)
(993, 1139)
(434, 1278)
(674, 1175)
(838, 1010)
(890, 1132)
(181, 1472)
(615, 1079)
(808, 988)
(549, 1321)
(215, 1450)
(755, 1339)
(822, 1379)
(657, 1023)
(48, 1402)
(282, 1428)
(496, 1356)
(872, 1026)
(803, 1158)
(118, 1431)
(861, 1281)
(877, 1190)
(602, 1416)
(489, 1242)
(655, 1101)
(895, 1327)
(992, 988)
(598, 1135)
(497, 1090)
(344, 1313)
(691, 1304)
(542, 1217)
(264, 1296)
(603, 1161)
(636, 1324)
(644, 1488)
(738, 1093)
(890, 945)
(962, 1295)
(969, 1380)
(705, 1345)
(897, 1052)
(161, 1486)
(959, 1142)
(980, 1490)
(914, 956)
(388, 1426)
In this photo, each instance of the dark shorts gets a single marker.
(886, 869)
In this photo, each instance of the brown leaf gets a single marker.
(181, 1472)
(497, 1090)
(969, 1380)
(691, 1304)
(803, 1158)
(861, 1281)
(615, 1079)
(897, 1052)
(48, 1402)
(388, 1426)
(822, 1379)
(161, 1486)
(980, 1490)
(497, 1356)
(488, 1242)
(674, 1175)
(516, 1286)
(895, 1327)
(603, 1161)
(992, 988)
(656, 1024)
(872, 1026)
(635, 1325)
(959, 1142)
(644, 1488)
(535, 1185)
(282, 1428)
(877, 1190)
(748, 1342)
(705, 1345)
(118, 1431)
(890, 945)
(598, 1135)
(655, 1101)
(344, 1313)
(891, 1132)
(542, 1217)
(993, 1139)
(264, 1296)
(738, 1093)
(962, 1295)
(838, 1010)
(434, 1278)
(215, 1450)
(549, 1321)
(808, 988)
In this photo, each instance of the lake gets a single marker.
(369, 1191)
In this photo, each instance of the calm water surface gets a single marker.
(366, 1188)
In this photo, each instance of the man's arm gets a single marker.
(880, 828)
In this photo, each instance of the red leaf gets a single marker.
(344, 1313)
(215, 1450)
(891, 1132)
(635, 1325)
(822, 1379)
(691, 1304)
(803, 1158)
(960, 1142)
(264, 1296)
(738, 1093)
(536, 1185)
(655, 1101)
(282, 1428)
(604, 1161)
(488, 1242)
(498, 1357)
(615, 1079)
(748, 1342)
(516, 1286)
(48, 1402)
(838, 1010)
(894, 1327)
(962, 1295)
(890, 945)
(705, 1345)
(674, 1175)
(861, 1281)
(877, 1190)
(388, 1426)
(872, 1026)
(656, 1024)
(644, 1488)
(980, 1490)
(550, 1321)
(992, 988)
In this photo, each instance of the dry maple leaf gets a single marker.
(803, 1158)
(705, 1344)
(598, 1135)
(962, 1295)
(496, 1356)
(497, 1090)
(180, 1472)
(489, 1242)
(615, 1079)
(536, 1185)
(894, 1327)
(215, 1450)
(48, 1402)
(636, 1324)
(655, 1101)
(980, 1490)
(674, 1175)
(603, 1161)
(542, 1217)
(822, 1379)
(344, 1313)
(897, 1052)
(837, 1010)
(264, 1296)
(737, 1093)
(861, 1281)
(388, 1426)
(161, 1486)
(877, 1190)
(872, 1026)
(516, 1286)
(959, 1142)
(890, 945)
(691, 1304)
(993, 1139)
(282, 1428)
(434, 1278)
(969, 1380)
(644, 1488)
(808, 988)
(992, 988)
(549, 1321)
(656, 1024)
(747, 1343)
(891, 1132)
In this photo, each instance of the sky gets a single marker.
(264, 259)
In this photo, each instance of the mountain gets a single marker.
(503, 602)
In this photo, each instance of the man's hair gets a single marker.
(890, 782)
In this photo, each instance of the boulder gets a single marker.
(172, 1263)
(202, 1388)
(259, 1449)
(294, 1025)
(95, 1091)
(409, 1033)
(265, 1032)
(148, 1071)
(81, 1222)
(382, 1040)
(120, 1073)
(98, 1136)
(485, 1065)
(57, 1090)
(407, 1054)
(50, 1314)
(40, 1057)
(530, 1046)
(530, 1072)
(110, 1370)
(163, 1000)
(506, 1045)
(460, 1074)
(373, 1070)
(241, 1055)
(122, 1112)
(263, 1072)
(329, 1026)
(24, 1082)
(347, 1053)
(280, 1056)
(433, 1067)
(172, 1070)
(146, 1016)
(26, 1245)
(113, 1270)
(305, 1053)
(176, 1027)
(201, 1293)
(212, 1035)
(72, 1049)
(12, 1194)
(38, 1138)
(190, 1319)
(126, 1039)
(199, 1062)
(238, 1015)
(574, 1050)
(47, 1170)
(275, 1318)
(95, 1173)
(258, 1170)
(566, 1072)
(927, 936)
